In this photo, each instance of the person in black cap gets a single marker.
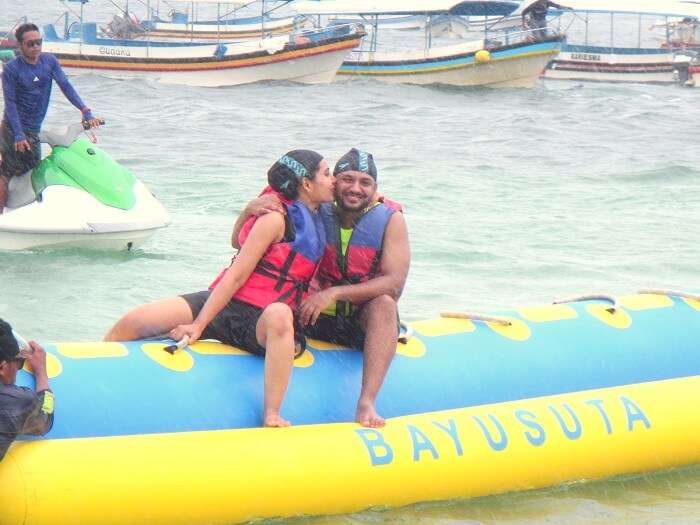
(534, 17)
(254, 303)
(361, 276)
(22, 410)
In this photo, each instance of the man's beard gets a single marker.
(361, 205)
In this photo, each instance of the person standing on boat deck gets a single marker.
(22, 410)
(535, 17)
(26, 84)
(254, 303)
(361, 276)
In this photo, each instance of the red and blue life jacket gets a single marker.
(284, 271)
(364, 251)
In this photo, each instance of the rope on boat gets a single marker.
(477, 317)
(673, 293)
(593, 297)
(407, 333)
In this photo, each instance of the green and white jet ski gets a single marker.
(78, 197)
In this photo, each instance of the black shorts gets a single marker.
(234, 325)
(346, 331)
(15, 163)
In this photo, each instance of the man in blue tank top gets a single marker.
(22, 410)
(26, 84)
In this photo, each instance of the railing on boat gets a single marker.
(7, 38)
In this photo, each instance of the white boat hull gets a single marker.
(591, 65)
(223, 30)
(319, 69)
(456, 66)
(116, 241)
(69, 217)
(242, 63)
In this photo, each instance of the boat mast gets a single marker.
(375, 30)
(639, 31)
(148, 33)
(428, 31)
(191, 21)
(82, 34)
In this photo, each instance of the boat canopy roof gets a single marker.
(679, 8)
(237, 3)
(406, 7)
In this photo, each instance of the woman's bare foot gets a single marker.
(275, 420)
(367, 416)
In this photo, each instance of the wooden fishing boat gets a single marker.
(232, 21)
(311, 56)
(497, 58)
(617, 42)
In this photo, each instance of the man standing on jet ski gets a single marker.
(26, 84)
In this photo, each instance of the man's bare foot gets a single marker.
(367, 416)
(275, 420)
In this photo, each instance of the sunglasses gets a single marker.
(34, 43)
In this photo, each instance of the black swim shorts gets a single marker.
(15, 163)
(234, 325)
(346, 331)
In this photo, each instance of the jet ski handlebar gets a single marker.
(65, 137)
(86, 124)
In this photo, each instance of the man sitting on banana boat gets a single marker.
(361, 275)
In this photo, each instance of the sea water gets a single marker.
(512, 197)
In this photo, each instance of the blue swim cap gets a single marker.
(284, 176)
(356, 160)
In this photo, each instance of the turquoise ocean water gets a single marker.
(513, 197)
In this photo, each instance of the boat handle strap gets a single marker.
(593, 297)
(477, 317)
(673, 293)
(182, 343)
(407, 334)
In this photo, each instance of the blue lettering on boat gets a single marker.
(571, 434)
(421, 443)
(502, 443)
(426, 441)
(114, 51)
(634, 413)
(373, 440)
(527, 418)
(451, 430)
(598, 403)
(585, 56)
